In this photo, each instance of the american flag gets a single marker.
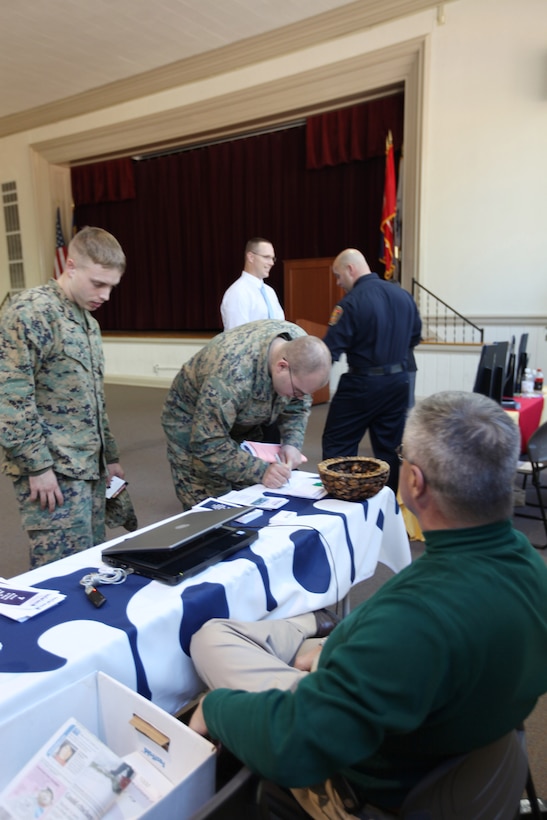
(61, 251)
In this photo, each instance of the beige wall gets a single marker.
(475, 156)
(484, 243)
(153, 362)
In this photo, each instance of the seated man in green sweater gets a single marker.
(448, 656)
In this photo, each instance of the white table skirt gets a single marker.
(141, 635)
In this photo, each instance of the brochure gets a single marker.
(254, 497)
(217, 504)
(74, 775)
(21, 603)
(116, 487)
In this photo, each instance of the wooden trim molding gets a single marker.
(356, 16)
(265, 104)
(282, 100)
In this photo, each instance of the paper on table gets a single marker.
(264, 450)
(21, 603)
(299, 485)
(303, 485)
(254, 497)
(217, 504)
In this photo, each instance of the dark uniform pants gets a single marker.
(375, 403)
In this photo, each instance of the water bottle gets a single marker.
(527, 382)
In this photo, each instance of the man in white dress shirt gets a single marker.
(249, 298)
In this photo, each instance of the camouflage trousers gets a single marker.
(192, 479)
(191, 485)
(75, 526)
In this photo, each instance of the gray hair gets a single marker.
(99, 246)
(467, 448)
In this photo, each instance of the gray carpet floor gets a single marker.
(135, 420)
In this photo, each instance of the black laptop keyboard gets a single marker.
(173, 567)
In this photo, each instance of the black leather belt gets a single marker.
(381, 370)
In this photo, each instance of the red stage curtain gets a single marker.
(112, 181)
(354, 133)
(184, 234)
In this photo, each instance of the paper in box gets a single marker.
(130, 725)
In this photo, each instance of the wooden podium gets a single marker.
(310, 289)
(310, 293)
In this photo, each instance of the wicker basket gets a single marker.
(353, 478)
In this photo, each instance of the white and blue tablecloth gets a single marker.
(141, 635)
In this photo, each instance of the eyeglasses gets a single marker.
(272, 259)
(297, 394)
(401, 456)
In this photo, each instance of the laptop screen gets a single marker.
(170, 554)
(172, 534)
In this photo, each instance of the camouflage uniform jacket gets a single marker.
(52, 407)
(223, 393)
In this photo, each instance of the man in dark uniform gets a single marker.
(375, 325)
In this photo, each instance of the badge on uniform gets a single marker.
(336, 315)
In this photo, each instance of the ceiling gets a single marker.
(53, 50)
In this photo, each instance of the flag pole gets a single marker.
(389, 208)
(61, 250)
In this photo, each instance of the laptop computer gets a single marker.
(182, 547)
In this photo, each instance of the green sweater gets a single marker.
(447, 656)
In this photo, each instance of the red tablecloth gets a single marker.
(529, 415)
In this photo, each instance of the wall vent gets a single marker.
(13, 236)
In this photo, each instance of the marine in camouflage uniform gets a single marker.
(219, 398)
(53, 415)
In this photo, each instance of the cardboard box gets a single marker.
(127, 723)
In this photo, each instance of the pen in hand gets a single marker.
(278, 459)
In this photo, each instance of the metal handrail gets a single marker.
(441, 323)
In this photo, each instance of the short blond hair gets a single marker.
(99, 246)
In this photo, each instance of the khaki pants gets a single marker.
(253, 656)
(256, 656)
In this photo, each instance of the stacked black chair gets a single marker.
(486, 784)
(537, 455)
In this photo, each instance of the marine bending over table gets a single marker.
(255, 374)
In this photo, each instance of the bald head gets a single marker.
(349, 266)
(309, 354)
(300, 366)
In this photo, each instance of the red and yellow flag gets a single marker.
(389, 210)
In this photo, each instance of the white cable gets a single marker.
(105, 576)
